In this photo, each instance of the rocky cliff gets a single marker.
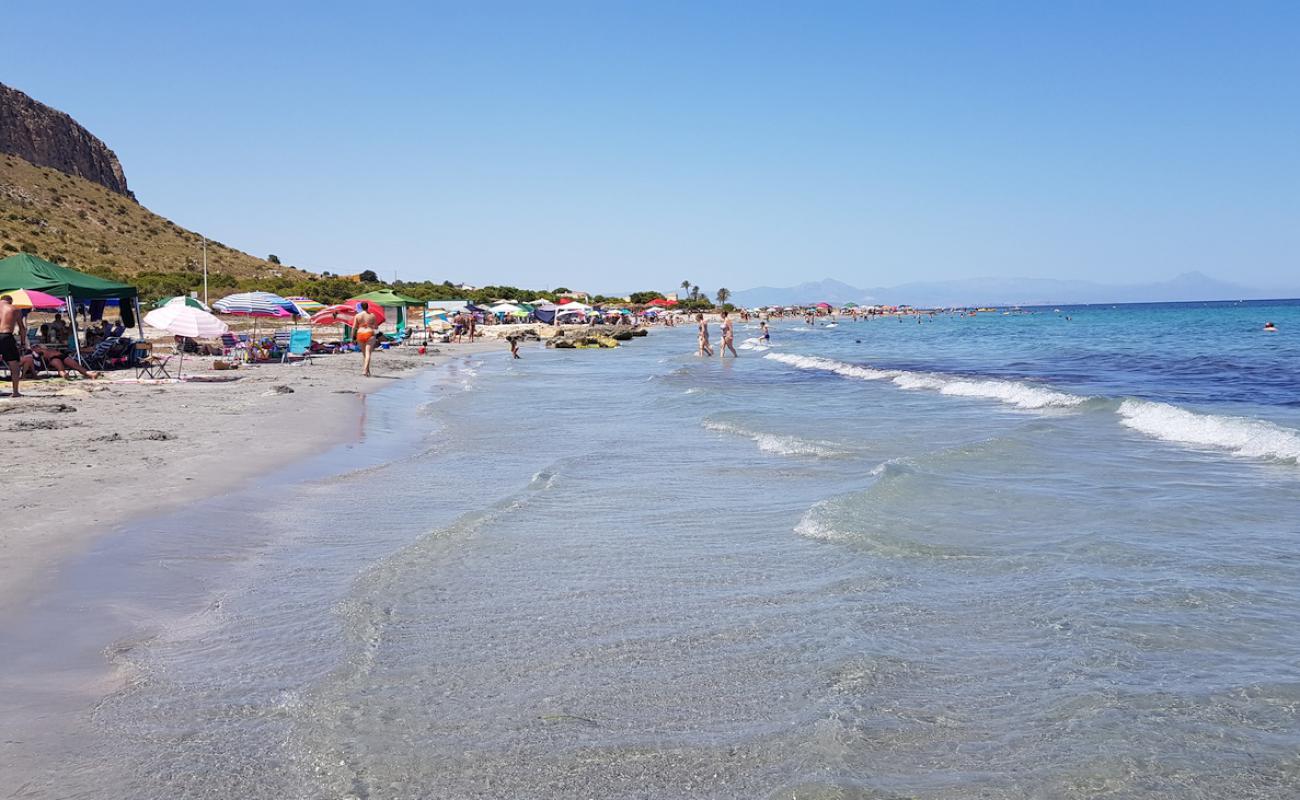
(49, 138)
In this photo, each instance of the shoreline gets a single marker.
(92, 456)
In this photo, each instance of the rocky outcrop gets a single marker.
(49, 138)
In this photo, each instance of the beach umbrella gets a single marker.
(30, 298)
(255, 304)
(180, 319)
(305, 305)
(182, 300)
(343, 314)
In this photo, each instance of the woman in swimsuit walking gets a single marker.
(728, 338)
(703, 326)
(367, 334)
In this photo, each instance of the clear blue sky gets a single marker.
(617, 146)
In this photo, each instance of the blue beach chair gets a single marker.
(298, 348)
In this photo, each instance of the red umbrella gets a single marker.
(344, 314)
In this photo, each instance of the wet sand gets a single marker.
(87, 456)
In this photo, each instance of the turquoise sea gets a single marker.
(1042, 555)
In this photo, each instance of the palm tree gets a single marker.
(695, 292)
(686, 286)
(723, 294)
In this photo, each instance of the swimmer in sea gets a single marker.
(367, 325)
(703, 326)
(1270, 327)
(766, 337)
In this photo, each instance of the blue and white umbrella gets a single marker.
(255, 304)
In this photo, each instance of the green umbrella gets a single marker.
(387, 297)
(184, 299)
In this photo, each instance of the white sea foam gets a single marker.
(813, 525)
(1014, 393)
(1241, 436)
(754, 343)
(779, 444)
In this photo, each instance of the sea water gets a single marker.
(1039, 555)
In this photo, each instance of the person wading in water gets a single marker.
(367, 325)
(728, 338)
(705, 350)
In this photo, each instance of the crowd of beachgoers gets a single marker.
(43, 337)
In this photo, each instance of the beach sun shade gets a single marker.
(26, 271)
(387, 297)
(182, 300)
(343, 314)
(305, 305)
(30, 298)
(182, 320)
(255, 304)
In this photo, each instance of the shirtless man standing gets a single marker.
(367, 326)
(703, 326)
(11, 321)
(728, 338)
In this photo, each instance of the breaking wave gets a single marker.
(779, 444)
(1013, 393)
(1241, 436)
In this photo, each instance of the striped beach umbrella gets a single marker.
(255, 304)
(305, 305)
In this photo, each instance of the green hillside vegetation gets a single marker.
(82, 225)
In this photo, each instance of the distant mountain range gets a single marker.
(1189, 286)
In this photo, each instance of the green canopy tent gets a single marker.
(390, 299)
(26, 271)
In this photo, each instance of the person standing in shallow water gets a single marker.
(728, 338)
(367, 325)
(11, 320)
(703, 327)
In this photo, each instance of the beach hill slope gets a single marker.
(86, 226)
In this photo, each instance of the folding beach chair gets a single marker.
(98, 358)
(298, 348)
(148, 365)
(230, 343)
